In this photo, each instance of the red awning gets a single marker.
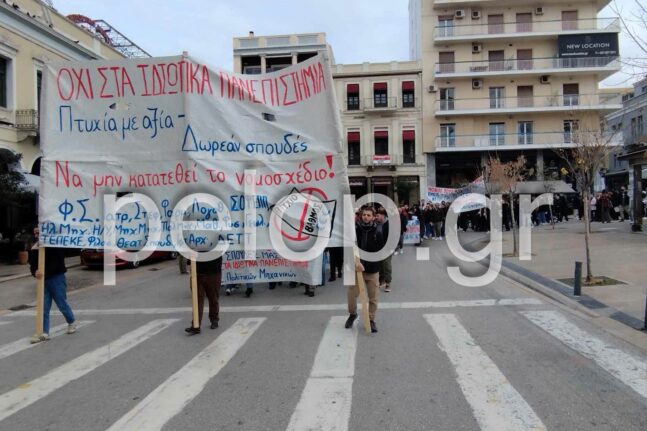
(407, 85)
(408, 135)
(353, 136)
(381, 134)
(379, 86)
(352, 88)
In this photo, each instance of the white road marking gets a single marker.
(496, 404)
(630, 370)
(325, 402)
(298, 307)
(28, 393)
(24, 343)
(168, 399)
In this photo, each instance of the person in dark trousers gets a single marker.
(209, 275)
(404, 221)
(55, 286)
(336, 262)
(386, 267)
(369, 238)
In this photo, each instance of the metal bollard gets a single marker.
(577, 282)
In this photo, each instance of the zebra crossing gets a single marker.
(326, 397)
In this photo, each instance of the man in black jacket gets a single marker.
(369, 238)
(55, 286)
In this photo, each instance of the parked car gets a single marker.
(92, 257)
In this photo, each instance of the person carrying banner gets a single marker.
(55, 286)
(209, 276)
(369, 238)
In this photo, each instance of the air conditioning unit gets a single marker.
(459, 14)
(544, 79)
(539, 10)
(431, 89)
(477, 84)
(476, 48)
(476, 14)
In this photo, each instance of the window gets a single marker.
(4, 75)
(409, 146)
(446, 62)
(525, 96)
(569, 20)
(525, 133)
(448, 135)
(497, 97)
(639, 126)
(524, 59)
(380, 99)
(495, 24)
(446, 99)
(251, 65)
(496, 60)
(524, 22)
(381, 142)
(408, 94)
(446, 26)
(570, 127)
(39, 86)
(497, 134)
(353, 148)
(352, 97)
(571, 94)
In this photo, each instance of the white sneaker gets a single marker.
(71, 328)
(38, 338)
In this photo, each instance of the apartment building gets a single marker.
(508, 78)
(380, 110)
(381, 115)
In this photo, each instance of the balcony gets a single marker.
(381, 104)
(27, 120)
(604, 66)
(509, 141)
(369, 105)
(511, 105)
(527, 30)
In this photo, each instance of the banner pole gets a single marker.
(194, 291)
(363, 295)
(40, 291)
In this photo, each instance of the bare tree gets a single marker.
(503, 178)
(634, 24)
(592, 147)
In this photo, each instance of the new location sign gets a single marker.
(588, 45)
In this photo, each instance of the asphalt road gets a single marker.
(446, 357)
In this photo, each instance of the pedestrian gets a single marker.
(369, 238)
(209, 274)
(55, 286)
(336, 255)
(624, 204)
(183, 266)
(404, 222)
(386, 268)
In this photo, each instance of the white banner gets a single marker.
(442, 194)
(269, 266)
(171, 127)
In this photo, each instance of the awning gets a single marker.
(408, 135)
(380, 86)
(353, 136)
(352, 88)
(381, 134)
(539, 187)
(407, 85)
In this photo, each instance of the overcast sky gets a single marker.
(357, 30)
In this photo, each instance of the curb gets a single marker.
(19, 276)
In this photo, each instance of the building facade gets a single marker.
(509, 78)
(381, 115)
(380, 111)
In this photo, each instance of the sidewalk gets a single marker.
(616, 252)
(13, 272)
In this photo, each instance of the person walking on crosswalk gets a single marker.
(55, 286)
(209, 276)
(369, 238)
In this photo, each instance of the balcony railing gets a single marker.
(569, 101)
(27, 119)
(533, 65)
(375, 103)
(516, 28)
(390, 104)
(386, 160)
(549, 139)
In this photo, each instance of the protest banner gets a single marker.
(412, 234)
(171, 127)
(438, 195)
